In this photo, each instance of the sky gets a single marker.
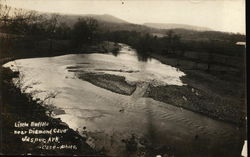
(221, 15)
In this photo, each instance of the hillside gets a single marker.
(176, 26)
(187, 32)
(106, 22)
(71, 19)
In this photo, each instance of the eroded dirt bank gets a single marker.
(217, 96)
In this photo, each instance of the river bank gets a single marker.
(17, 107)
(60, 47)
(219, 97)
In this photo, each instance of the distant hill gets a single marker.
(107, 18)
(106, 22)
(176, 26)
(71, 19)
(111, 23)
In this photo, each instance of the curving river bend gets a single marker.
(110, 120)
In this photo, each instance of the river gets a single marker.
(124, 125)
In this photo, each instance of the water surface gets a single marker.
(110, 119)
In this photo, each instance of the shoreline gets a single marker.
(206, 94)
(114, 83)
(103, 47)
(24, 109)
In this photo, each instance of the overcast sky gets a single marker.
(222, 15)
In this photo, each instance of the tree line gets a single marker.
(31, 27)
(173, 43)
(42, 26)
(32, 30)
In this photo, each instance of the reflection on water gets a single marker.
(120, 124)
(142, 57)
(115, 52)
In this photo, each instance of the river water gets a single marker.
(113, 121)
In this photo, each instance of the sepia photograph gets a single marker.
(123, 78)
